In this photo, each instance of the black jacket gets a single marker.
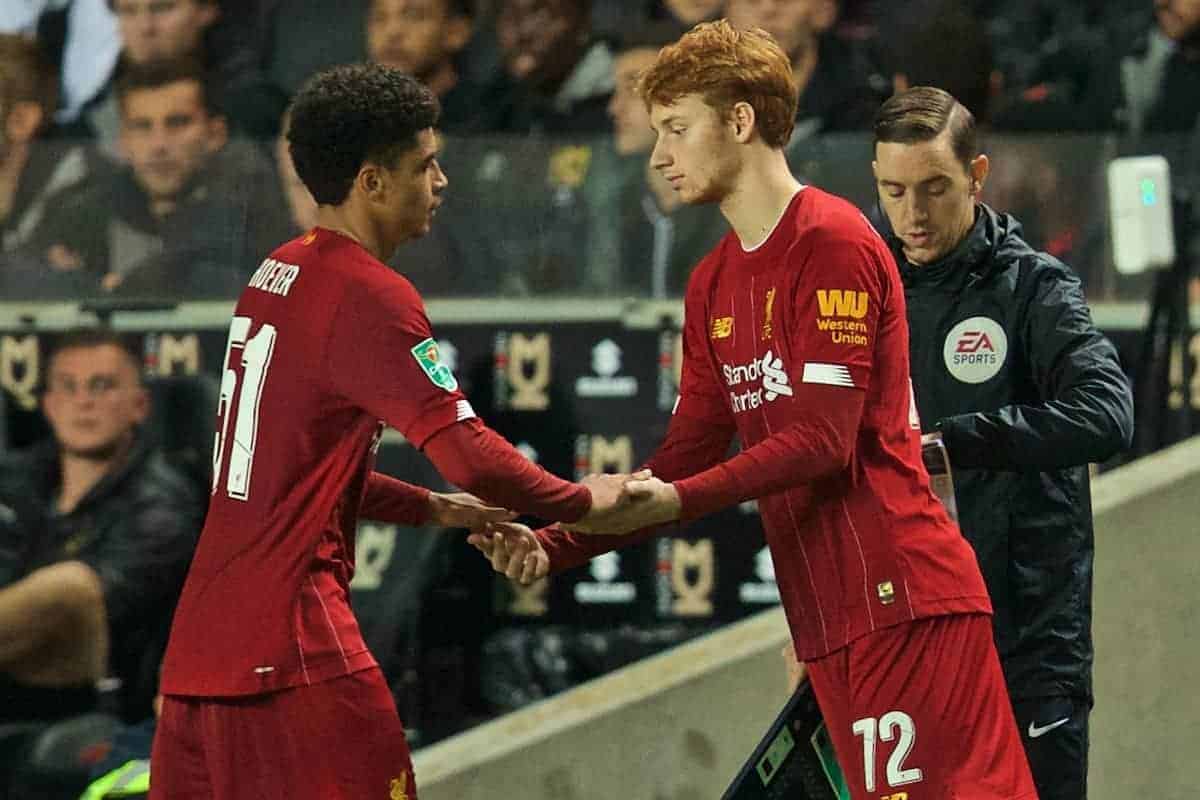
(1007, 364)
(137, 528)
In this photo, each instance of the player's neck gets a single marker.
(358, 227)
(763, 190)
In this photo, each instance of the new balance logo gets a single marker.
(722, 327)
(769, 370)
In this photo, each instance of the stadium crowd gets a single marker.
(141, 151)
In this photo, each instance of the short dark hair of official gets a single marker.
(157, 74)
(349, 115)
(920, 114)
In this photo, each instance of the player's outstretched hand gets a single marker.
(646, 501)
(514, 551)
(463, 510)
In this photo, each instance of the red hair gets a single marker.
(727, 66)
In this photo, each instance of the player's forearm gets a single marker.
(799, 454)
(567, 549)
(1054, 435)
(481, 462)
(387, 499)
(691, 446)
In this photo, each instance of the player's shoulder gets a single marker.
(707, 268)
(830, 220)
(347, 270)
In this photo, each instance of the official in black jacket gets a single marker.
(1009, 370)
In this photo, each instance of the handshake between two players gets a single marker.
(621, 503)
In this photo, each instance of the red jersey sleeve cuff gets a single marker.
(706, 493)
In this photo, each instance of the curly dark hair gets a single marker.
(348, 115)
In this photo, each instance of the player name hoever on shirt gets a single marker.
(275, 277)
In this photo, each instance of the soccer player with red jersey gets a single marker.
(795, 339)
(269, 688)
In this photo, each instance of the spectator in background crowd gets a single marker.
(839, 87)
(1132, 73)
(561, 75)
(96, 533)
(686, 12)
(1010, 372)
(78, 36)
(661, 238)
(615, 21)
(941, 44)
(1146, 82)
(32, 165)
(171, 30)
(559, 233)
(186, 214)
(304, 37)
(425, 39)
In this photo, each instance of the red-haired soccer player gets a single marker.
(795, 339)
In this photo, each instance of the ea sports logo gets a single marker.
(975, 349)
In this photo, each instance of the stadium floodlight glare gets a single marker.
(1139, 207)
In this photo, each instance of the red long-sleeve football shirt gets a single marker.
(800, 346)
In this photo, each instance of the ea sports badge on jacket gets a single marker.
(975, 349)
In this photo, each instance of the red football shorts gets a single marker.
(920, 712)
(337, 740)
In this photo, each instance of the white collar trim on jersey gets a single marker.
(763, 241)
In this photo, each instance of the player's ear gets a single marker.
(370, 181)
(742, 119)
(978, 171)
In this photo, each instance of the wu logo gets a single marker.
(842, 303)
